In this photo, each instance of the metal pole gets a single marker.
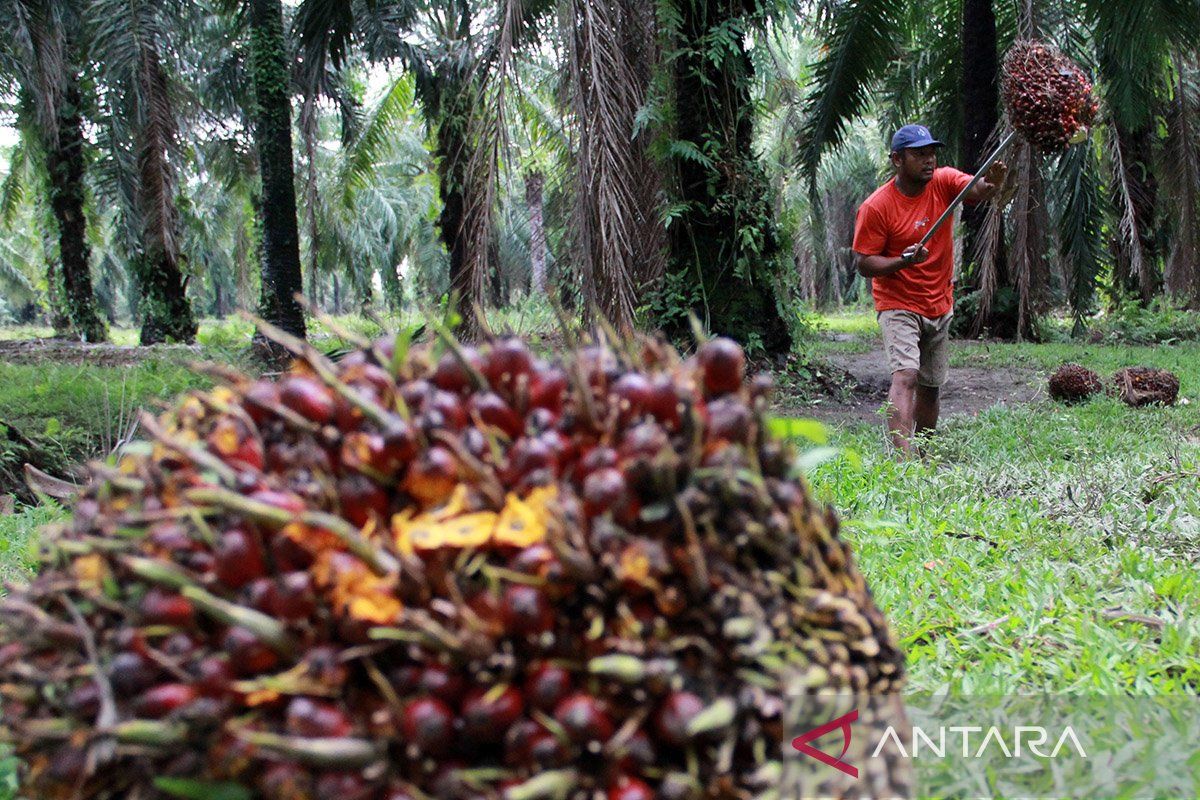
(949, 212)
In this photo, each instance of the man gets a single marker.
(913, 285)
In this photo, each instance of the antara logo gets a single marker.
(801, 743)
(921, 223)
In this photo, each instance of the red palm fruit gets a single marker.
(527, 610)
(398, 793)
(450, 374)
(490, 409)
(214, 676)
(728, 421)
(507, 361)
(131, 673)
(294, 596)
(450, 406)
(414, 394)
(547, 751)
(432, 477)
(547, 388)
(309, 398)
(160, 607)
(584, 718)
(518, 740)
(664, 402)
(361, 499)
(239, 558)
(626, 787)
(605, 490)
(164, 699)
(722, 365)
(643, 441)
(343, 786)
(84, 700)
(289, 555)
(179, 646)
(247, 654)
(547, 685)
(488, 712)
(400, 443)
(439, 681)
(324, 663)
(673, 716)
(286, 781)
(631, 392)
(638, 752)
(258, 400)
(540, 561)
(261, 594)
(428, 724)
(598, 458)
(314, 718)
(528, 455)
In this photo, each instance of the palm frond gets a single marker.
(378, 134)
(1080, 227)
(860, 45)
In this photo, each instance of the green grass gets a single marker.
(1044, 518)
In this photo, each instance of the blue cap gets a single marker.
(913, 136)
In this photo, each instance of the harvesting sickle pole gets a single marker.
(1048, 99)
(958, 201)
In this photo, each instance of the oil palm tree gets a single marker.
(133, 45)
(41, 54)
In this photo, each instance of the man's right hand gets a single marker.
(914, 254)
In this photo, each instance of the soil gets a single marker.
(968, 390)
(69, 351)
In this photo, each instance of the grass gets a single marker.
(1041, 520)
(1002, 559)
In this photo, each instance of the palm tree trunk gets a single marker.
(453, 158)
(167, 314)
(980, 97)
(534, 200)
(281, 274)
(727, 243)
(65, 165)
(309, 120)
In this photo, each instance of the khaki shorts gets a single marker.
(912, 341)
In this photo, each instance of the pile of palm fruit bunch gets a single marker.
(1073, 383)
(1049, 99)
(442, 572)
(1143, 386)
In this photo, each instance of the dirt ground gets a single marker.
(66, 351)
(968, 390)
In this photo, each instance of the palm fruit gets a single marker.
(1049, 99)
(444, 572)
(1072, 383)
(1143, 386)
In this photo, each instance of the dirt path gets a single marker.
(968, 390)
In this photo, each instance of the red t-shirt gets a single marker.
(889, 221)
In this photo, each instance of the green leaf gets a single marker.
(796, 428)
(53, 427)
(811, 459)
(202, 790)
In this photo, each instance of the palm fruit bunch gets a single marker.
(442, 572)
(1143, 386)
(1072, 383)
(1049, 99)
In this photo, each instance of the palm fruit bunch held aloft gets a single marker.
(1049, 99)
(1073, 383)
(442, 572)
(1143, 386)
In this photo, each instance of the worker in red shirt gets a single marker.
(913, 285)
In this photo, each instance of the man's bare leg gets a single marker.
(925, 415)
(901, 409)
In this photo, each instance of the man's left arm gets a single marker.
(990, 185)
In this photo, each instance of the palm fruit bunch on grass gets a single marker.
(442, 572)
(1049, 99)
(1073, 383)
(1143, 386)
